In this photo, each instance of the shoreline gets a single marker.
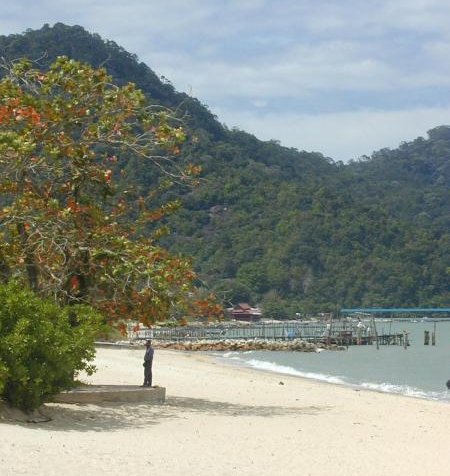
(353, 386)
(230, 420)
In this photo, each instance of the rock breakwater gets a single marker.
(296, 345)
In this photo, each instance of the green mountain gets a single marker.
(290, 229)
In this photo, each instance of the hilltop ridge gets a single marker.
(292, 230)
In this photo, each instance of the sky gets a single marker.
(340, 77)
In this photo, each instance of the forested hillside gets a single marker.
(289, 229)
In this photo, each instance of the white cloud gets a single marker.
(425, 16)
(277, 56)
(341, 136)
(297, 73)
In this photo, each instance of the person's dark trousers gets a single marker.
(148, 374)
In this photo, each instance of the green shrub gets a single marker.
(40, 351)
(3, 374)
(109, 333)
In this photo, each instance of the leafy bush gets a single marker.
(42, 346)
(3, 373)
(109, 333)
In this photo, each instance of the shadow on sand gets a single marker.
(119, 416)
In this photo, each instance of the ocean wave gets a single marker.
(284, 369)
(232, 354)
(384, 387)
(405, 390)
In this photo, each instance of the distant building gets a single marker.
(244, 312)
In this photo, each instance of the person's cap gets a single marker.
(148, 342)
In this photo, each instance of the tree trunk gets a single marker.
(30, 265)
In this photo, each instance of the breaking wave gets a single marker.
(384, 387)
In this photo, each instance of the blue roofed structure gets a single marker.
(396, 310)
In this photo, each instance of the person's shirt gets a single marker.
(148, 357)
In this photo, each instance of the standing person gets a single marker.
(148, 362)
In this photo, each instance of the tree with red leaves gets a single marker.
(66, 231)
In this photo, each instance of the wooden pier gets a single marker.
(352, 339)
(339, 333)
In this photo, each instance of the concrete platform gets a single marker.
(112, 393)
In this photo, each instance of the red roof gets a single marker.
(244, 309)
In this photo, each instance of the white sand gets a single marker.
(220, 420)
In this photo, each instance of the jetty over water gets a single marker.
(394, 312)
(342, 332)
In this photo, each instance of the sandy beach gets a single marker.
(223, 420)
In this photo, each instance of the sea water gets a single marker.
(417, 371)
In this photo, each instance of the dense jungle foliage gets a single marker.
(291, 230)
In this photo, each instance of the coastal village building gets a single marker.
(244, 312)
